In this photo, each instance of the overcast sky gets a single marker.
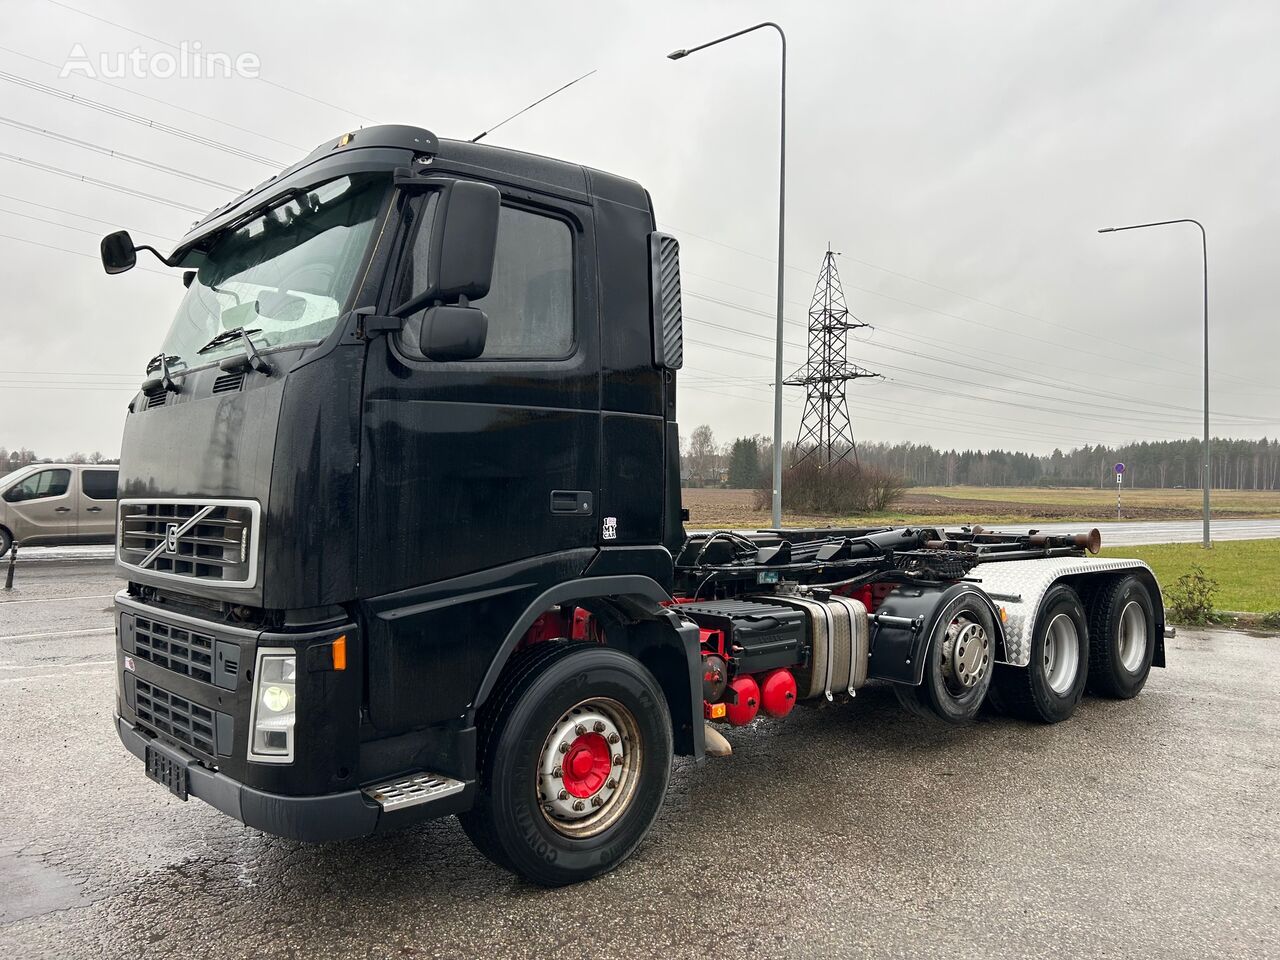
(960, 156)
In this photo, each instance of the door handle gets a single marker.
(61, 509)
(571, 502)
(92, 509)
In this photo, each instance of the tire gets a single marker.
(6, 541)
(580, 696)
(1122, 631)
(1049, 688)
(953, 690)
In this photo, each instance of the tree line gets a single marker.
(1236, 464)
(22, 456)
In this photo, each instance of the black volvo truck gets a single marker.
(401, 527)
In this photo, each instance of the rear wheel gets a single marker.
(575, 755)
(1122, 638)
(957, 668)
(1050, 686)
(6, 541)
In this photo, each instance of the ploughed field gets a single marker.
(713, 507)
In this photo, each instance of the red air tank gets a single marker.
(748, 697)
(778, 692)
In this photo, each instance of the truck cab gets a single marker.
(401, 533)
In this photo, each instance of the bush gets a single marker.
(838, 490)
(1191, 599)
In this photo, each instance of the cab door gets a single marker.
(471, 465)
(480, 479)
(43, 506)
(97, 504)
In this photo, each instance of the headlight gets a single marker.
(274, 707)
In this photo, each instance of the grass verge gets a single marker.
(1247, 571)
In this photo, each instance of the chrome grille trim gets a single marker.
(216, 539)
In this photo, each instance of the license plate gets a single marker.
(167, 772)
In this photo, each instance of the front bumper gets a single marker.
(334, 816)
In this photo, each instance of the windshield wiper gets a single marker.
(226, 336)
(164, 380)
(251, 358)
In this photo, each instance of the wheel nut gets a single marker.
(596, 801)
(612, 784)
(614, 738)
(598, 726)
(617, 760)
(580, 729)
(564, 746)
(579, 805)
(557, 773)
(563, 795)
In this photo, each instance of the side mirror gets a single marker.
(188, 278)
(453, 333)
(464, 239)
(118, 252)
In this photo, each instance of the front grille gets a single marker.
(175, 648)
(211, 540)
(175, 717)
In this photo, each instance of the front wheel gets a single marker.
(575, 755)
(6, 542)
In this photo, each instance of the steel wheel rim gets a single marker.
(966, 654)
(1133, 636)
(574, 799)
(1061, 653)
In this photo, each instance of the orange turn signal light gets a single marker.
(340, 653)
(715, 711)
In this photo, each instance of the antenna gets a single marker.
(480, 136)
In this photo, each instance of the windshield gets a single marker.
(286, 275)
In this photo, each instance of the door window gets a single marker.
(530, 301)
(38, 486)
(99, 484)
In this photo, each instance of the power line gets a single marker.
(1109, 415)
(137, 118)
(954, 316)
(174, 46)
(71, 213)
(164, 103)
(49, 168)
(126, 157)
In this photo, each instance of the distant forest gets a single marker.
(1237, 464)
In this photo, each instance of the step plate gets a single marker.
(412, 790)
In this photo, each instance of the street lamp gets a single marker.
(1204, 256)
(782, 213)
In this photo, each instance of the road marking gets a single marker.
(61, 633)
(76, 663)
(91, 596)
(55, 676)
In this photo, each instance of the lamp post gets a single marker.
(782, 214)
(1204, 259)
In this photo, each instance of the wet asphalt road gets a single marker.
(1147, 828)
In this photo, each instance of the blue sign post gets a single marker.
(1119, 479)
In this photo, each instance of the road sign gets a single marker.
(1119, 468)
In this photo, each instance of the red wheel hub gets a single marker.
(586, 766)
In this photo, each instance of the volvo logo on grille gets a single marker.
(171, 538)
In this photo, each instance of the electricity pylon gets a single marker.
(826, 430)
